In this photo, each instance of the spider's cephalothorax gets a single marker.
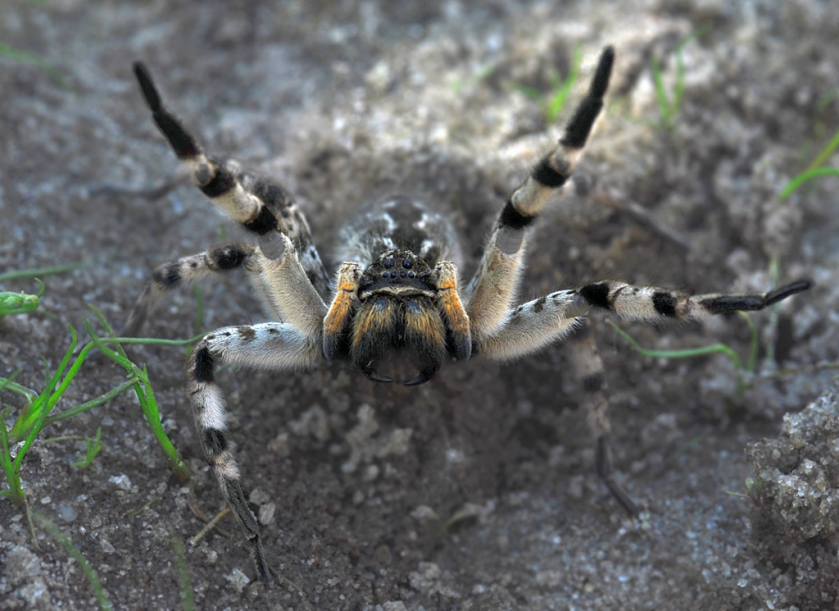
(397, 292)
(398, 305)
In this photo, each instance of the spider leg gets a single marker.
(273, 346)
(288, 286)
(652, 303)
(259, 205)
(185, 270)
(542, 321)
(532, 326)
(281, 283)
(492, 290)
(645, 304)
(340, 311)
(588, 367)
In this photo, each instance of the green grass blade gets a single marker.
(15, 491)
(32, 59)
(529, 92)
(804, 177)
(101, 400)
(558, 100)
(825, 153)
(148, 403)
(152, 341)
(40, 271)
(12, 386)
(679, 354)
(754, 347)
(93, 447)
(88, 571)
(41, 407)
(661, 94)
(152, 413)
(187, 597)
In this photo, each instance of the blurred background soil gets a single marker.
(476, 491)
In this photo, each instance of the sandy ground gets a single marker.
(476, 491)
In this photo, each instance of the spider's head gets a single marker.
(403, 308)
(397, 273)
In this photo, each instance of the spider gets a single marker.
(397, 293)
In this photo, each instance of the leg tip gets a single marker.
(147, 86)
(600, 82)
(783, 292)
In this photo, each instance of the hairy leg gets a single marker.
(652, 303)
(273, 346)
(185, 270)
(260, 205)
(587, 367)
(493, 289)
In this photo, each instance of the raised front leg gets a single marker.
(493, 289)
(258, 204)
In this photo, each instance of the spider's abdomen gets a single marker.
(398, 222)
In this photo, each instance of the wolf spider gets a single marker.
(397, 291)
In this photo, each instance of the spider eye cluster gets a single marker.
(404, 271)
(397, 272)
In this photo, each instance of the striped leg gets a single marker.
(259, 205)
(533, 325)
(287, 286)
(540, 322)
(652, 304)
(274, 346)
(588, 367)
(185, 270)
(492, 290)
(645, 304)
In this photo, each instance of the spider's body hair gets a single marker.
(401, 303)
(398, 222)
(398, 291)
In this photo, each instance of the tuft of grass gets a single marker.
(89, 572)
(36, 413)
(815, 169)
(670, 103)
(804, 176)
(749, 367)
(556, 101)
(145, 394)
(753, 491)
(94, 446)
